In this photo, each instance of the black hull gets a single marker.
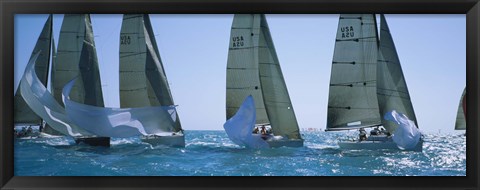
(94, 141)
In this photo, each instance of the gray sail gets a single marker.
(143, 81)
(352, 101)
(76, 56)
(460, 123)
(392, 91)
(22, 112)
(243, 66)
(275, 94)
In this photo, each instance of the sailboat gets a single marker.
(23, 114)
(460, 122)
(34, 92)
(143, 81)
(254, 75)
(76, 56)
(368, 89)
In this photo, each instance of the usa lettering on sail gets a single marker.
(347, 32)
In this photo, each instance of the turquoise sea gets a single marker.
(211, 153)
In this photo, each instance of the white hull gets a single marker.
(173, 140)
(45, 135)
(376, 145)
(277, 141)
(288, 143)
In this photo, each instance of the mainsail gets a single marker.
(23, 114)
(242, 66)
(143, 81)
(253, 69)
(367, 80)
(460, 123)
(352, 101)
(392, 91)
(76, 56)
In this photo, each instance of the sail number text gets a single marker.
(347, 32)
(124, 40)
(238, 41)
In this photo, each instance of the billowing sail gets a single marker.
(76, 56)
(392, 91)
(22, 113)
(275, 94)
(44, 104)
(460, 123)
(243, 66)
(352, 101)
(143, 81)
(239, 127)
(118, 122)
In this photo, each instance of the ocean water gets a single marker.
(211, 153)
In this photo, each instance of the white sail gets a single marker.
(44, 104)
(143, 81)
(22, 113)
(352, 101)
(406, 134)
(118, 122)
(240, 126)
(392, 91)
(242, 66)
(275, 94)
(460, 122)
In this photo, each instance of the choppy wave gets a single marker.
(211, 153)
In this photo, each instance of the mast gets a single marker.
(143, 81)
(460, 123)
(23, 114)
(47, 128)
(275, 94)
(243, 66)
(392, 91)
(352, 101)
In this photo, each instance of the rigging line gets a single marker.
(351, 83)
(241, 68)
(267, 63)
(350, 62)
(130, 54)
(248, 47)
(389, 95)
(350, 108)
(392, 90)
(356, 39)
(121, 71)
(232, 107)
(405, 98)
(241, 88)
(241, 28)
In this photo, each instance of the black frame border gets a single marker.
(10, 7)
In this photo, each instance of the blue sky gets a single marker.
(194, 48)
